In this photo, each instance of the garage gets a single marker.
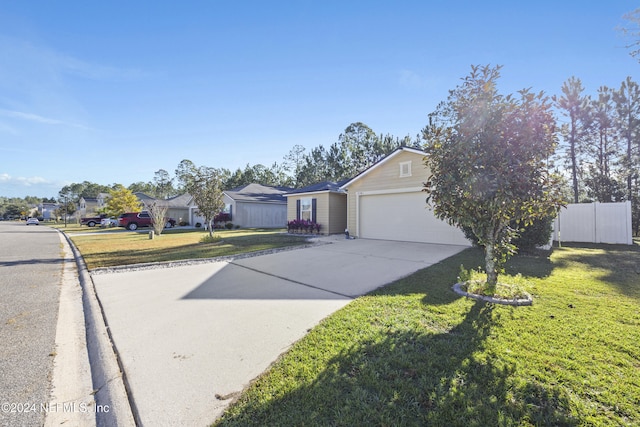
(403, 216)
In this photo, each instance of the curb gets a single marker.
(112, 404)
(71, 398)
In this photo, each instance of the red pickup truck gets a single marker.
(134, 220)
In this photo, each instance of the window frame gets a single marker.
(404, 165)
(303, 201)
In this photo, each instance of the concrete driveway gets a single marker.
(191, 337)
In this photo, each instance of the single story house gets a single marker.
(252, 206)
(386, 202)
(323, 203)
(177, 206)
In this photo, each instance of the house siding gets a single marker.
(337, 214)
(259, 215)
(386, 176)
(179, 214)
(330, 210)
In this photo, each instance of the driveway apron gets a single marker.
(192, 337)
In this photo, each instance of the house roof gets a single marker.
(180, 201)
(258, 193)
(380, 163)
(321, 187)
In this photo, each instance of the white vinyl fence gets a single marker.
(594, 223)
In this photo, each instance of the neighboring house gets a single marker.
(324, 203)
(48, 210)
(177, 206)
(386, 202)
(252, 206)
(89, 206)
(257, 206)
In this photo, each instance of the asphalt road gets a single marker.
(30, 274)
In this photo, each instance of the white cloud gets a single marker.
(37, 118)
(46, 62)
(5, 178)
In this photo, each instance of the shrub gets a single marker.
(222, 217)
(228, 226)
(530, 237)
(303, 226)
(535, 235)
(198, 225)
(210, 239)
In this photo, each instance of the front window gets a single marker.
(305, 209)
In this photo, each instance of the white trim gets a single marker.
(310, 210)
(314, 192)
(390, 191)
(381, 162)
(376, 193)
(358, 213)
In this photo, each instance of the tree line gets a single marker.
(599, 154)
(601, 137)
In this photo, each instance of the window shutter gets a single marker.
(298, 209)
(313, 209)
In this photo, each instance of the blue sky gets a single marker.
(110, 92)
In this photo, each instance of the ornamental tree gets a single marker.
(205, 185)
(121, 200)
(158, 214)
(488, 160)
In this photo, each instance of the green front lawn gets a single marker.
(415, 353)
(126, 248)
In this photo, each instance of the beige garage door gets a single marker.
(404, 217)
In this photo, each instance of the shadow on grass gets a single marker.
(409, 378)
(446, 271)
(231, 245)
(408, 374)
(620, 264)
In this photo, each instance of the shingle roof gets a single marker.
(258, 193)
(180, 201)
(321, 186)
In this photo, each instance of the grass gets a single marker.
(126, 248)
(415, 353)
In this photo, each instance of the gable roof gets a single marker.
(381, 162)
(180, 201)
(258, 193)
(326, 186)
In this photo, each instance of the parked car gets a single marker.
(134, 220)
(108, 222)
(92, 221)
(33, 221)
